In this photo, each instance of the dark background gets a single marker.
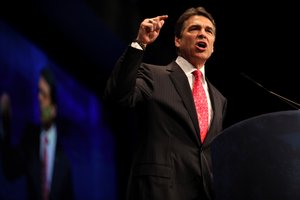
(85, 37)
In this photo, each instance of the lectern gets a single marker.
(259, 158)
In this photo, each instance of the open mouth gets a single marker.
(201, 44)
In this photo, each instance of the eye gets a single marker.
(193, 28)
(210, 30)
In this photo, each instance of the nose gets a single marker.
(201, 35)
(39, 96)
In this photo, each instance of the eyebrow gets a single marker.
(205, 27)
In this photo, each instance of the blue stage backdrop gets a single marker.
(87, 141)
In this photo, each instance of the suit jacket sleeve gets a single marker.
(121, 84)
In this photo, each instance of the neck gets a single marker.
(46, 126)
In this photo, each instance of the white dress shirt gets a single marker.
(51, 135)
(188, 69)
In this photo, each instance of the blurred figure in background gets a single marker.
(39, 155)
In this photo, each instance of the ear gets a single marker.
(177, 41)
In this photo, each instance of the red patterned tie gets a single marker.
(200, 103)
(44, 170)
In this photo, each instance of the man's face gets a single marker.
(47, 109)
(196, 43)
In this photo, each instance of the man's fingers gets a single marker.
(154, 24)
(162, 17)
(157, 19)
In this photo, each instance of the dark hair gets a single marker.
(200, 11)
(48, 75)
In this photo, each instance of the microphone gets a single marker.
(284, 99)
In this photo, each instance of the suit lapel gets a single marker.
(210, 136)
(57, 172)
(34, 171)
(182, 86)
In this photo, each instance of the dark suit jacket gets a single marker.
(24, 159)
(170, 162)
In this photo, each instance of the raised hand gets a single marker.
(150, 28)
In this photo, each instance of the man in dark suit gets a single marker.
(27, 157)
(171, 162)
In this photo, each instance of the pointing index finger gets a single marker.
(163, 17)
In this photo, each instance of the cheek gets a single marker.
(211, 43)
(186, 44)
(44, 103)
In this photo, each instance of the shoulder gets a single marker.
(214, 91)
(159, 67)
(32, 130)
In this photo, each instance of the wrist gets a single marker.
(142, 45)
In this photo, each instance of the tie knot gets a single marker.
(197, 73)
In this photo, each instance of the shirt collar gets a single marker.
(51, 133)
(187, 67)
